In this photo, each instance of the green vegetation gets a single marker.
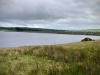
(90, 30)
(41, 30)
(87, 39)
(81, 58)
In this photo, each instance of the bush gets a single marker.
(87, 39)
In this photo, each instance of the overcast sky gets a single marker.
(53, 14)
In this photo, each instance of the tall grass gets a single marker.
(81, 58)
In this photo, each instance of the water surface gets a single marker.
(14, 39)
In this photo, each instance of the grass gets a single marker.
(90, 30)
(81, 58)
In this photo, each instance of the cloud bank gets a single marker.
(55, 14)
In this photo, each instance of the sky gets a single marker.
(51, 14)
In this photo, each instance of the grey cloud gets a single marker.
(46, 9)
(49, 13)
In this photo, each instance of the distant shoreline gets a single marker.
(70, 33)
(54, 31)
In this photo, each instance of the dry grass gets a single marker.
(67, 59)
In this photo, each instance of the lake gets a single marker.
(15, 39)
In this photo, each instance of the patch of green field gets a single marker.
(81, 58)
(91, 30)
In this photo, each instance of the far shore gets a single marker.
(54, 31)
(73, 33)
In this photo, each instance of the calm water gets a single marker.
(14, 39)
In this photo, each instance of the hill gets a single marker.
(41, 30)
(91, 30)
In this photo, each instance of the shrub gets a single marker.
(87, 39)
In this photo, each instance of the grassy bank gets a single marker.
(90, 30)
(81, 58)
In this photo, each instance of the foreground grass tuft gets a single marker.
(81, 58)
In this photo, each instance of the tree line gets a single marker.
(41, 30)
